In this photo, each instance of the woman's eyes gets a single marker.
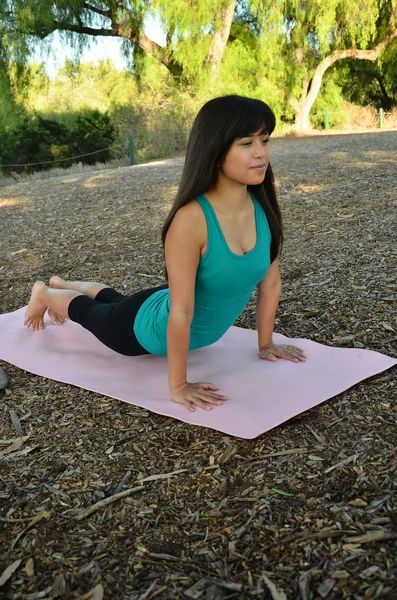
(249, 143)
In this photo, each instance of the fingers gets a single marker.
(268, 356)
(198, 394)
(202, 399)
(204, 404)
(207, 401)
(292, 356)
(296, 353)
(291, 353)
(34, 325)
(209, 395)
(209, 386)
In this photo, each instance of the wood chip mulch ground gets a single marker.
(305, 511)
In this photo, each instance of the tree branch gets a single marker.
(118, 30)
(340, 55)
(393, 16)
(220, 37)
(82, 29)
(98, 11)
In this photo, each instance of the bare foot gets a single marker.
(35, 310)
(57, 283)
(55, 318)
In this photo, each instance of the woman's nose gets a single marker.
(260, 149)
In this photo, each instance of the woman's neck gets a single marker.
(228, 196)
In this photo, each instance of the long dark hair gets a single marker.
(218, 124)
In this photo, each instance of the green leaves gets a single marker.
(282, 492)
(271, 49)
(35, 140)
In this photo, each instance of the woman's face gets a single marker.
(247, 160)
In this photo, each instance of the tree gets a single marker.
(199, 20)
(220, 36)
(275, 49)
(46, 142)
(373, 84)
(319, 34)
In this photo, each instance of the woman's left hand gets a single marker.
(275, 351)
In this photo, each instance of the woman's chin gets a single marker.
(257, 177)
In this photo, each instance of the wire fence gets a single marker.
(51, 162)
(147, 143)
(160, 141)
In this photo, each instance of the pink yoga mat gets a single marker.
(262, 394)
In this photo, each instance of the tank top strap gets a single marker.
(208, 210)
(263, 229)
(214, 231)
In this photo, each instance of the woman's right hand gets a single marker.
(197, 394)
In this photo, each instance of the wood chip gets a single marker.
(275, 592)
(97, 593)
(102, 503)
(343, 463)
(373, 536)
(162, 476)
(33, 522)
(14, 444)
(16, 422)
(5, 576)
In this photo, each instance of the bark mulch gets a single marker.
(100, 499)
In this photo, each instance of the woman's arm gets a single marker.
(185, 238)
(182, 256)
(269, 291)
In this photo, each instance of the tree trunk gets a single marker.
(385, 98)
(302, 120)
(219, 40)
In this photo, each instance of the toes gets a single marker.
(35, 325)
(55, 318)
(55, 281)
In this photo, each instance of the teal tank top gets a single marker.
(224, 285)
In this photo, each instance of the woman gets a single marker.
(221, 239)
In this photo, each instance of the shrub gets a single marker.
(37, 140)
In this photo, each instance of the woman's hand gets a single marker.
(197, 394)
(275, 351)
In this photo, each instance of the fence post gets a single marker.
(326, 120)
(131, 146)
(380, 118)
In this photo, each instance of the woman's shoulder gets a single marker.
(190, 219)
(191, 214)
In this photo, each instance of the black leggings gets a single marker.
(111, 316)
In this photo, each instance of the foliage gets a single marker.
(367, 83)
(34, 139)
(331, 98)
(272, 52)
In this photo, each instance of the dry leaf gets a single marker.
(275, 592)
(95, 594)
(29, 568)
(9, 572)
